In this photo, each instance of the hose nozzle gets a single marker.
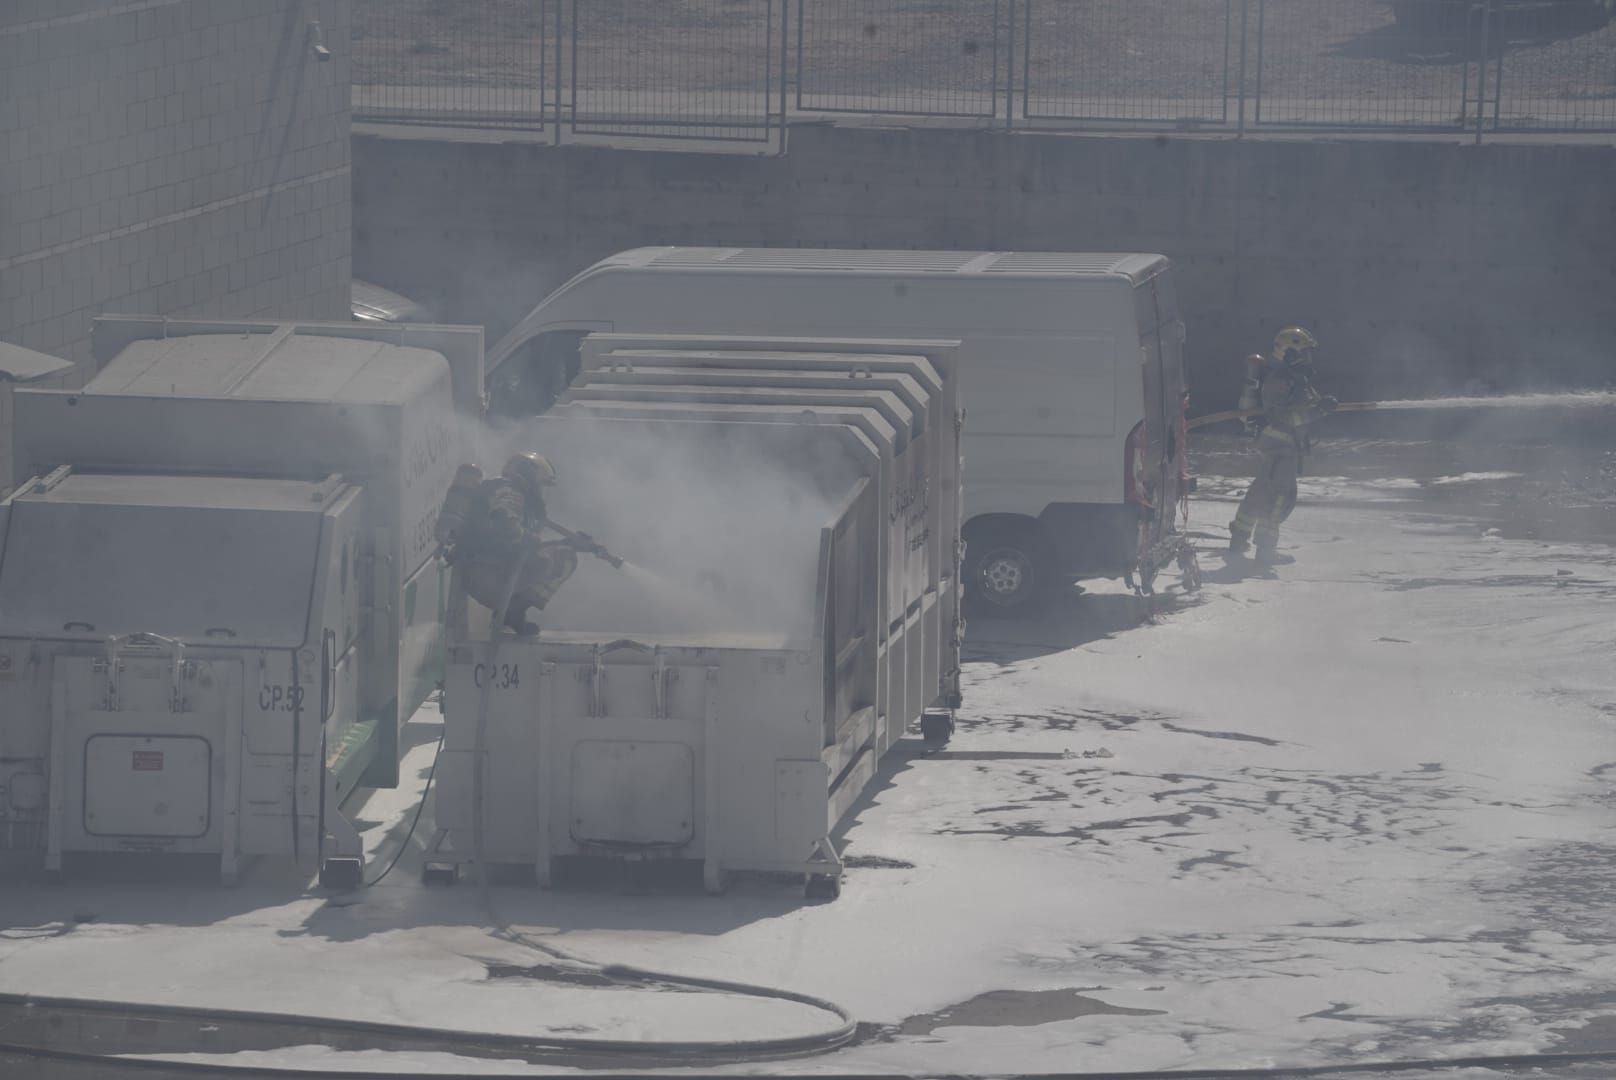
(583, 542)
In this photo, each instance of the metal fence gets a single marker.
(710, 72)
(902, 57)
(731, 74)
(485, 62)
(1119, 64)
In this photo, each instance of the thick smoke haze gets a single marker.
(719, 523)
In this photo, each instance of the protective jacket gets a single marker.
(503, 520)
(1289, 404)
(504, 555)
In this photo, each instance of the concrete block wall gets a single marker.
(174, 157)
(1422, 265)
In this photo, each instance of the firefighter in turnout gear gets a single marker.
(500, 537)
(1278, 387)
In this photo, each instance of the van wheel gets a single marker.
(1008, 571)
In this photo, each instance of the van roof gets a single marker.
(1134, 267)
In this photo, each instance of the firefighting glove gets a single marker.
(1328, 404)
(1253, 426)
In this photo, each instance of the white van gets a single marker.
(1072, 375)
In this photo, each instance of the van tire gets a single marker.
(1009, 570)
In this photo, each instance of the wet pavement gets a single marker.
(1146, 796)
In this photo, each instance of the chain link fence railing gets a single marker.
(1114, 63)
(483, 62)
(731, 74)
(632, 71)
(709, 70)
(902, 57)
(1553, 67)
(1363, 64)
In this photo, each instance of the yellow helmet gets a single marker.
(529, 468)
(1294, 345)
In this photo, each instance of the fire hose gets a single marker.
(832, 1038)
(583, 542)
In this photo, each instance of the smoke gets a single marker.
(719, 523)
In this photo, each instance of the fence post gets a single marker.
(1481, 67)
(1240, 122)
(1498, 72)
(785, 67)
(560, 51)
(1010, 63)
(1256, 90)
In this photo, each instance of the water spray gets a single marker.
(1580, 399)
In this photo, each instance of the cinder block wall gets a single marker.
(1421, 265)
(176, 157)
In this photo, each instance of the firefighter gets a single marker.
(503, 529)
(1280, 387)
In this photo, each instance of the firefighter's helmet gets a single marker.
(1294, 345)
(531, 469)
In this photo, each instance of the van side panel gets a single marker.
(1067, 346)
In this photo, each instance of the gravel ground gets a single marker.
(1315, 61)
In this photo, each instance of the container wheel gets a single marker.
(822, 886)
(341, 873)
(936, 727)
(442, 874)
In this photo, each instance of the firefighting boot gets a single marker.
(1268, 550)
(517, 622)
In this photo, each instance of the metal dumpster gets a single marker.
(217, 590)
(728, 695)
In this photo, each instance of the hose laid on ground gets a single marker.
(105, 1063)
(819, 1042)
(414, 821)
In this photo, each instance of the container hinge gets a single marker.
(597, 683)
(179, 670)
(659, 681)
